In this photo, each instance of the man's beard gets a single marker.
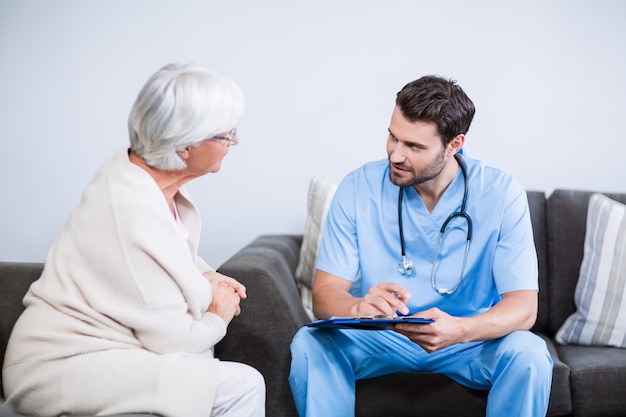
(427, 173)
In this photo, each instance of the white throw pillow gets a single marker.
(600, 297)
(319, 197)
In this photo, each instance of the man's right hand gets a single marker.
(331, 297)
(386, 298)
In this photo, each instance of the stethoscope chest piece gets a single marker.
(406, 267)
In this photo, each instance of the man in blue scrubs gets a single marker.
(478, 282)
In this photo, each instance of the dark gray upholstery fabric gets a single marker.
(434, 395)
(537, 207)
(561, 395)
(598, 378)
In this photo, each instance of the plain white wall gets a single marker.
(548, 79)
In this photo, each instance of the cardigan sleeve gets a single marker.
(167, 328)
(169, 313)
(203, 266)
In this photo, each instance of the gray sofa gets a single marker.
(587, 381)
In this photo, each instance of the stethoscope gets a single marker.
(405, 267)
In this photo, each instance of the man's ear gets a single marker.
(456, 144)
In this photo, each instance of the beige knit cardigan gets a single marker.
(117, 323)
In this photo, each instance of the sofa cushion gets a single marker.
(600, 317)
(598, 378)
(318, 200)
(434, 395)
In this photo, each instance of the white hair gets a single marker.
(180, 106)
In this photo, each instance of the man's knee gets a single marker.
(528, 353)
(302, 340)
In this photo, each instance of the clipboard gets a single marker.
(365, 323)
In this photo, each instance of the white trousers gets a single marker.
(119, 382)
(240, 391)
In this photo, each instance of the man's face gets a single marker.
(415, 152)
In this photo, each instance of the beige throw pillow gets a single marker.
(318, 200)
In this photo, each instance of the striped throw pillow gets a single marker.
(600, 297)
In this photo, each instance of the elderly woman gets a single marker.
(125, 315)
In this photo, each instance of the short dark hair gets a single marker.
(436, 99)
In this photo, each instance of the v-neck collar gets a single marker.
(430, 223)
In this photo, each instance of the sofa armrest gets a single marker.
(260, 336)
(15, 279)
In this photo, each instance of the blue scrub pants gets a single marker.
(517, 369)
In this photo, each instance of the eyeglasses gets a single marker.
(231, 137)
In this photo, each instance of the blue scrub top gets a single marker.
(362, 240)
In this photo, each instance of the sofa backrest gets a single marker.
(15, 279)
(566, 216)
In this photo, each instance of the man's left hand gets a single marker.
(445, 331)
